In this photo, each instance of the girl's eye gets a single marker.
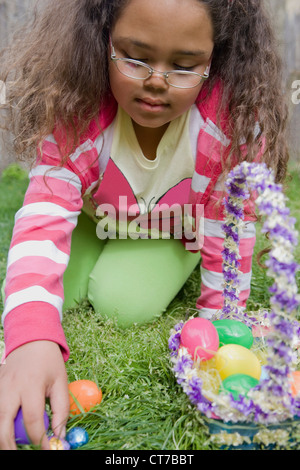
(127, 56)
(139, 60)
(180, 67)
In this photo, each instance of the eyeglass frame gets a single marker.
(151, 70)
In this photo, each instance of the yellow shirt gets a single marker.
(151, 179)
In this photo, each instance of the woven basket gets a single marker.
(268, 415)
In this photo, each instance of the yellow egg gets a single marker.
(235, 359)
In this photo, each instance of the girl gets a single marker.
(137, 108)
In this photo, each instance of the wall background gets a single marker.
(286, 18)
(285, 15)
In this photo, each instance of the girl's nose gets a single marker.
(157, 80)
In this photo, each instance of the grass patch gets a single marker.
(142, 408)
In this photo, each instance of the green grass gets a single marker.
(142, 408)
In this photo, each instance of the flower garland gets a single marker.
(271, 400)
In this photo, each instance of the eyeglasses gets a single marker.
(140, 71)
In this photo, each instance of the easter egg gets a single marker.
(238, 384)
(20, 431)
(294, 379)
(200, 337)
(233, 332)
(77, 437)
(235, 359)
(56, 443)
(84, 395)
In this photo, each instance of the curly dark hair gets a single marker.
(56, 71)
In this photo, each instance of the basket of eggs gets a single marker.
(239, 369)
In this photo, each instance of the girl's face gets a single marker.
(167, 35)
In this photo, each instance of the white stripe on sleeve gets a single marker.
(47, 208)
(32, 294)
(59, 173)
(199, 182)
(44, 248)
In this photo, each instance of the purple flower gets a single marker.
(231, 233)
(195, 390)
(234, 209)
(230, 295)
(179, 326)
(286, 328)
(182, 363)
(235, 188)
(230, 257)
(285, 302)
(280, 268)
(205, 407)
(174, 343)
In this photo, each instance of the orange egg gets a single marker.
(84, 395)
(295, 383)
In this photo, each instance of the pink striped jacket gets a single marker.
(40, 245)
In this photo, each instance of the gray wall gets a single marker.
(285, 15)
(13, 13)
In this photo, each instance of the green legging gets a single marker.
(130, 280)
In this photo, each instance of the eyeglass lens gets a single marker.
(134, 69)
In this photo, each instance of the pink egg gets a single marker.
(200, 337)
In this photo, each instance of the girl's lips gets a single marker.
(152, 105)
(153, 101)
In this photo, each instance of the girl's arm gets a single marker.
(40, 248)
(35, 344)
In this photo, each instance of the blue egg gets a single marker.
(77, 437)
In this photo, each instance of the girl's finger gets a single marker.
(60, 406)
(33, 414)
(7, 438)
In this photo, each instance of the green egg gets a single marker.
(233, 332)
(238, 384)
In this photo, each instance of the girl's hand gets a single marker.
(32, 372)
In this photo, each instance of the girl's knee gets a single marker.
(134, 281)
(124, 306)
